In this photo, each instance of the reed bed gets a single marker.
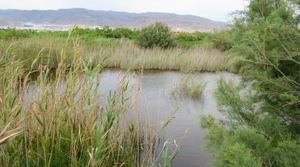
(119, 53)
(67, 125)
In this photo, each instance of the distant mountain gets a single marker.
(84, 17)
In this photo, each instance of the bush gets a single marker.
(156, 35)
(12, 33)
(106, 32)
(221, 40)
(188, 40)
(124, 33)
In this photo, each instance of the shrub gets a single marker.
(124, 33)
(106, 32)
(12, 33)
(221, 40)
(156, 35)
(188, 40)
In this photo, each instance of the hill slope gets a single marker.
(86, 17)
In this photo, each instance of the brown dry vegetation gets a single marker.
(122, 54)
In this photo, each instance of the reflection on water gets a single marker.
(157, 103)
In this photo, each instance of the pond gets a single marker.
(156, 102)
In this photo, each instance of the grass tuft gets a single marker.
(190, 87)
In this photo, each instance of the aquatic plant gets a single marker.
(58, 119)
(188, 86)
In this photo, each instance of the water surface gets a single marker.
(156, 102)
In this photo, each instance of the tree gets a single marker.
(264, 110)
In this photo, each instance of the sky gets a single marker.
(219, 10)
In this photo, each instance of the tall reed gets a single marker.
(58, 118)
(119, 54)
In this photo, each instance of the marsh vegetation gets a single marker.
(66, 126)
(122, 53)
(66, 123)
(52, 113)
(189, 86)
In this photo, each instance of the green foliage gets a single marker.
(188, 40)
(263, 127)
(106, 32)
(15, 34)
(236, 155)
(221, 40)
(85, 34)
(156, 35)
(231, 149)
(125, 33)
(109, 35)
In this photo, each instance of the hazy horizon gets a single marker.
(218, 10)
